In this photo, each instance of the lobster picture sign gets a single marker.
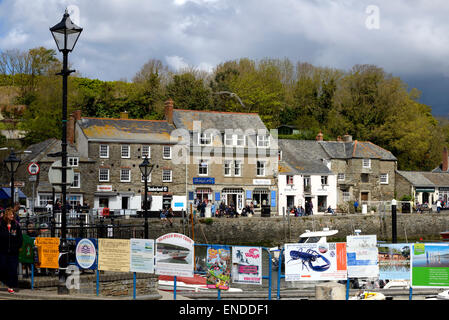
(315, 261)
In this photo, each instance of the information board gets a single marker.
(142, 255)
(429, 265)
(174, 255)
(362, 256)
(113, 255)
(247, 265)
(48, 252)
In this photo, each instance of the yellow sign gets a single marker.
(113, 255)
(48, 252)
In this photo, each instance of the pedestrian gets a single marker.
(203, 209)
(163, 217)
(212, 209)
(356, 205)
(10, 243)
(170, 216)
(438, 206)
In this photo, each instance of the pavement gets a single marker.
(28, 294)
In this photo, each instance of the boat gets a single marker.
(440, 296)
(445, 235)
(197, 283)
(368, 295)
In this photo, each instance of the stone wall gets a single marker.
(277, 230)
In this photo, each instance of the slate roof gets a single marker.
(127, 130)
(217, 120)
(311, 149)
(40, 151)
(439, 179)
(295, 163)
(416, 178)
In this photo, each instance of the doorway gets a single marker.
(125, 202)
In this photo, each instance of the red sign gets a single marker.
(33, 168)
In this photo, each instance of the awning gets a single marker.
(105, 194)
(5, 193)
(425, 190)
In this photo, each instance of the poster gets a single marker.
(113, 255)
(394, 261)
(247, 265)
(86, 253)
(142, 255)
(48, 252)
(315, 261)
(26, 252)
(218, 265)
(174, 255)
(362, 256)
(430, 265)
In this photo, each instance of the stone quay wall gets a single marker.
(273, 231)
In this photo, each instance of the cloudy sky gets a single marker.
(408, 38)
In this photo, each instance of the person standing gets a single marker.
(356, 205)
(438, 205)
(212, 209)
(10, 243)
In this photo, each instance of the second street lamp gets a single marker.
(146, 168)
(12, 163)
(66, 34)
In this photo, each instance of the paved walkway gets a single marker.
(28, 294)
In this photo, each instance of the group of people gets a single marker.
(166, 216)
(223, 210)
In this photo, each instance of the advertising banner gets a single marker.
(142, 255)
(394, 261)
(113, 255)
(218, 265)
(247, 265)
(48, 252)
(430, 265)
(86, 253)
(315, 261)
(362, 256)
(174, 255)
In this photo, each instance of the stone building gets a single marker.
(118, 147)
(232, 157)
(364, 171)
(302, 180)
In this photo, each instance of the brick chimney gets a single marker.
(319, 136)
(445, 163)
(169, 111)
(347, 138)
(75, 116)
(123, 115)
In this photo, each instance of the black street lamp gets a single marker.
(66, 34)
(146, 168)
(12, 163)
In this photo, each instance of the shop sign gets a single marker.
(203, 180)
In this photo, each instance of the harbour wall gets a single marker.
(272, 231)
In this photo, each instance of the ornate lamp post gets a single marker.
(66, 34)
(12, 163)
(146, 168)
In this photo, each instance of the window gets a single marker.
(203, 168)
(341, 177)
(103, 175)
(366, 163)
(365, 177)
(74, 200)
(73, 161)
(346, 196)
(384, 178)
(234, 140)
(237, 168)
(263, 141)
(289, 180)
(146, 152)
(227, 168)
(76, 180)
(166, 152)
(125, 175)
(104, 151)
(45, 199)
(125, 152)
(324, 180)
(260, 168)
(166, 175)
(307, 184)
(142, 179)
(205, 139)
